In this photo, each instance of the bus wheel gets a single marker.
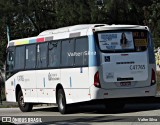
(62, 106)
(24, 107)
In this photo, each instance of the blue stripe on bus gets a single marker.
(81, 70)
(44, 82)
(70, 81)
(14, 83)
(151, 50)
(92, 51)
(32, 41)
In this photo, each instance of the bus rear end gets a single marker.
(126, 63)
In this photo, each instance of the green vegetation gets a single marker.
(3, 93)
(158, 80)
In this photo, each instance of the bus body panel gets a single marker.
(75, 83)
(39, 85)
(125, 91)
(99, 93)
(27, 81)
(124, 68)
(29, 87)
(10, 90)
(46, 84)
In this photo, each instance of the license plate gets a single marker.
(125, 83)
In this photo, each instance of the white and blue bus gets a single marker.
(81, 63)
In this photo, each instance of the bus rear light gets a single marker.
(96, 80)
(153, 78)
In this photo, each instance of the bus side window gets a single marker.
(67, 53)
(81, 48)
(54, 53)
(30, 56)
(10, 62)
(19, 58)
(42, 55)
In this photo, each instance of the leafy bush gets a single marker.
(158, 80)
(2, 94)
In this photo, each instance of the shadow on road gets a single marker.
(100, 109)
(81, 120)
(88, 118)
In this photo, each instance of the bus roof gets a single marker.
(69, 32)
(69, 29)
(116, 27)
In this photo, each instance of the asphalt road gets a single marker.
(88, 115)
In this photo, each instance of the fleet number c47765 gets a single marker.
(137, 67)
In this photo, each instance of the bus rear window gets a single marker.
(123, 40)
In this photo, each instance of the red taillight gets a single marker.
(153, 78)
(96, 80)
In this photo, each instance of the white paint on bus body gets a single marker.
(120, 76)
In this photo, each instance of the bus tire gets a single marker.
(24, 107)
(61, 101)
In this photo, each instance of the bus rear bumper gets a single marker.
(99, 93)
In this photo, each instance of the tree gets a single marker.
(152, 19)
(125, 11)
